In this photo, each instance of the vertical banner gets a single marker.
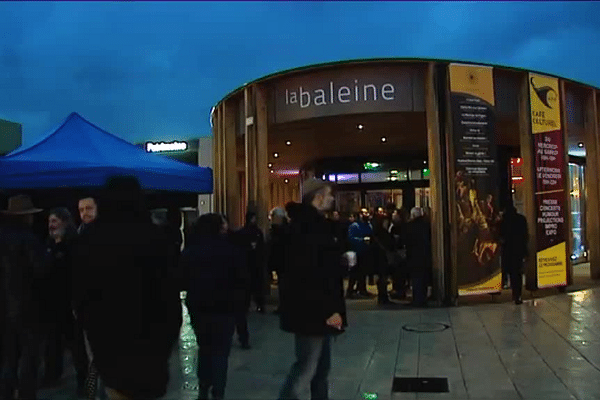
(550, 171)
(476, 179)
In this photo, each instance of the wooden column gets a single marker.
(527, 154)
(217, 160)
(566, 176)
(263, 191)
(231, 187)
(222, 156)
(592, 187)
(250, 148)
(435, 148)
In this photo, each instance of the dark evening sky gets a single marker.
(154, 70)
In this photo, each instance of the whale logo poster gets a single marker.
(476, 179)
(550, 171)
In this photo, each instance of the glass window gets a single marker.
(348, 202)
(577, 212)
(367, 177)
(416, 175)
(347, 178)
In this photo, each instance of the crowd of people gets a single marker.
(108, 290)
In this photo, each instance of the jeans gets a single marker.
(20, 360)
(214, 334)
(313, 362)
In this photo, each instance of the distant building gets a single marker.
(11, 136)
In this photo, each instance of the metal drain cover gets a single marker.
(420, 385)
(426, 327)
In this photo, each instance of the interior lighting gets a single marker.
(425, 162)
(270, 165)
(288, 143)
(272, 171)
(276, 155)
(580, 145)
(286, 180)
(383, 139)
(371, 166)
(394, 171)
(360, 127)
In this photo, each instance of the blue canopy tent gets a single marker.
(78, 154)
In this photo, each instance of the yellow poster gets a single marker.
(490, 286)
(545, 106)
(476, 178)
(549, 181)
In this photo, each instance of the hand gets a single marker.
(335, 321)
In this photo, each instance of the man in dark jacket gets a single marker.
(312, 301)
(418, 249)
(514, 237)
(126, 295)
(23, 266)
(217, 282)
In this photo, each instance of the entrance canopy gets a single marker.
(78, 154)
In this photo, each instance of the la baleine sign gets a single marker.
(348, 91)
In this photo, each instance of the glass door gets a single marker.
(577, 193)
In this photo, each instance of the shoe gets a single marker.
(277, 311)
(351, 295)
(385, 301)
(518, 301)
(246, 346)
(366, 294)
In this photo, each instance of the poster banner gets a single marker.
(550, 171)
(476, 179)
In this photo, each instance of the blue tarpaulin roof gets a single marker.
(79, 154)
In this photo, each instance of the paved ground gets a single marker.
(546, 349)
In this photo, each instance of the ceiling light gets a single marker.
(270, 165)
(288, 143)
(425, 162)
(276, 155)
(580, 145)
(360, 126)
(272, 171)
(383, 139)
(394, 172)
(286, 180)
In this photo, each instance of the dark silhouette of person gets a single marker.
(216, 285)
(514, 239)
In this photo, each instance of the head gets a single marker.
(88, 210)
(123, 201)
(277, 216)
(60, 223)
(319, 194)
(210, 226)
(510, 210)
(250, 218)
(352, 218)
(335, 216)
(20, 211)
(396, 216)
(416, 212)
(365, 216)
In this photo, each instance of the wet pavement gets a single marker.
(546, 348)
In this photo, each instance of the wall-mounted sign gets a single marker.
(476, 179)
(349, 90)
(550, 172)
(162, 146)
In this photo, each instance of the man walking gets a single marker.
(312, 299)
(514, 237)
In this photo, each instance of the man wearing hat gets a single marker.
(312, 298)
(23, 264)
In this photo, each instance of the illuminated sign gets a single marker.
(162, 146)
(371, 166)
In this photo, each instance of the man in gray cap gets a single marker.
(23, 264)
(312, 298)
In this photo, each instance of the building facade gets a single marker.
(462, 140)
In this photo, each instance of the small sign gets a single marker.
(162, 146)
(249, 121)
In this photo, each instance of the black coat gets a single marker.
(418, 245)
(58, 283)
(278, 237)
(251, 239)
(127, 301)
(217, 276)
(312, 289)
(514, 238)
(24, 264)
